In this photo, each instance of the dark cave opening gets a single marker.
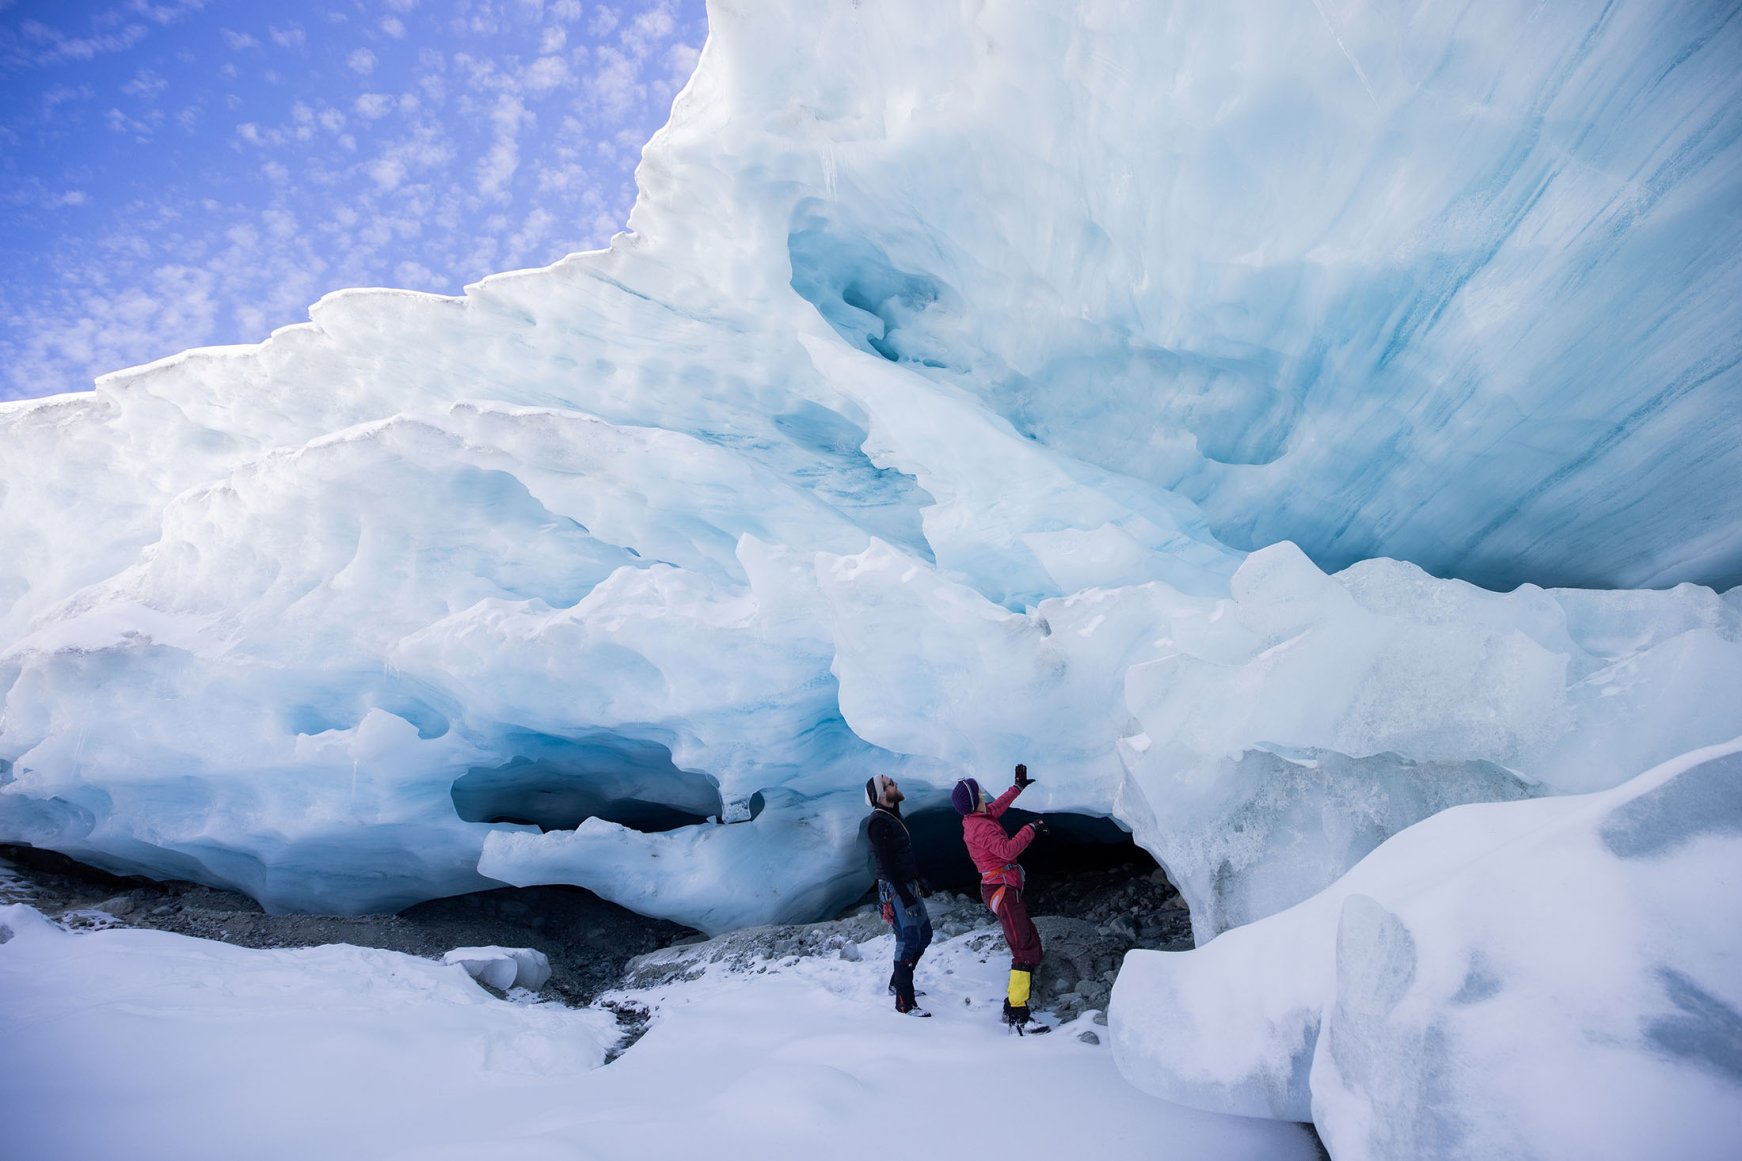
(558, 783)
(1076, 844)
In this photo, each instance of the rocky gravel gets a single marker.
(1087, 920)
(588, 940)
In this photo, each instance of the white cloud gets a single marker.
(417, 276)
(374, 105)
(53, 98)
(291, 37)
(546, 73)
(72, 197)
(528, 243)
(680, 63)
(166, 13)
(499, 164)
(140, 128)
(239, 41)
(649, 29)
(564, 178)
(607, 222)
(145, 84)
(386, 172)
(361, 61)
(279, 224)
(613, 84)
(604, 20)
(553, 40)
(49, 45)
(393, 26)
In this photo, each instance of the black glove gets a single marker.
(902, 893)
(1040, 828)
(1023, 781)
(924, 889)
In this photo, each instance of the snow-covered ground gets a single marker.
(145, 1045)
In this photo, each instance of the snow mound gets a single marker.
(157, 1046)
(1526, 979)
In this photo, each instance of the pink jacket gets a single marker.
(994, 852)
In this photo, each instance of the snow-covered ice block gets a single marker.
(503, 967)
(1548, 978)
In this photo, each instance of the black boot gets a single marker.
(1022, 1021)
(902, 983)
(916, 991)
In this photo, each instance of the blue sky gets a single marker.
(178, 173)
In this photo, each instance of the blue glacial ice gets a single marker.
(1161, 400)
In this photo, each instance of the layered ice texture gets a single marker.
(1097, 386)
(1554, 978)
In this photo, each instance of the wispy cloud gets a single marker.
(145, 85)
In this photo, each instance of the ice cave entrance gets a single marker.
(557, 783)
(1076, 844)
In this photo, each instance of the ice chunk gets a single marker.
(503, 967)
(795, 861)
(1404, 695)
(1499, 980)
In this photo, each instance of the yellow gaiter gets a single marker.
(1019, 981)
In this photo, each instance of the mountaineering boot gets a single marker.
(1016, 1013)
(916, 991)
(901, 983)
(1022, 1021)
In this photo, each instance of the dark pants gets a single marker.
(1019, 932)
(912, 936)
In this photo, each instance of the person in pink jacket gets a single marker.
(995, 854)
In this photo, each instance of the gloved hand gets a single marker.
(1023, 781)
(1041, 830)
(924, 889)
(902, 893)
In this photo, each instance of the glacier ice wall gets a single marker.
(976, 385)
(1528, 979)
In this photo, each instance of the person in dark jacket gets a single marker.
(899, 887)
(1001, 884)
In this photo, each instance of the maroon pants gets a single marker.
(1006, 902)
